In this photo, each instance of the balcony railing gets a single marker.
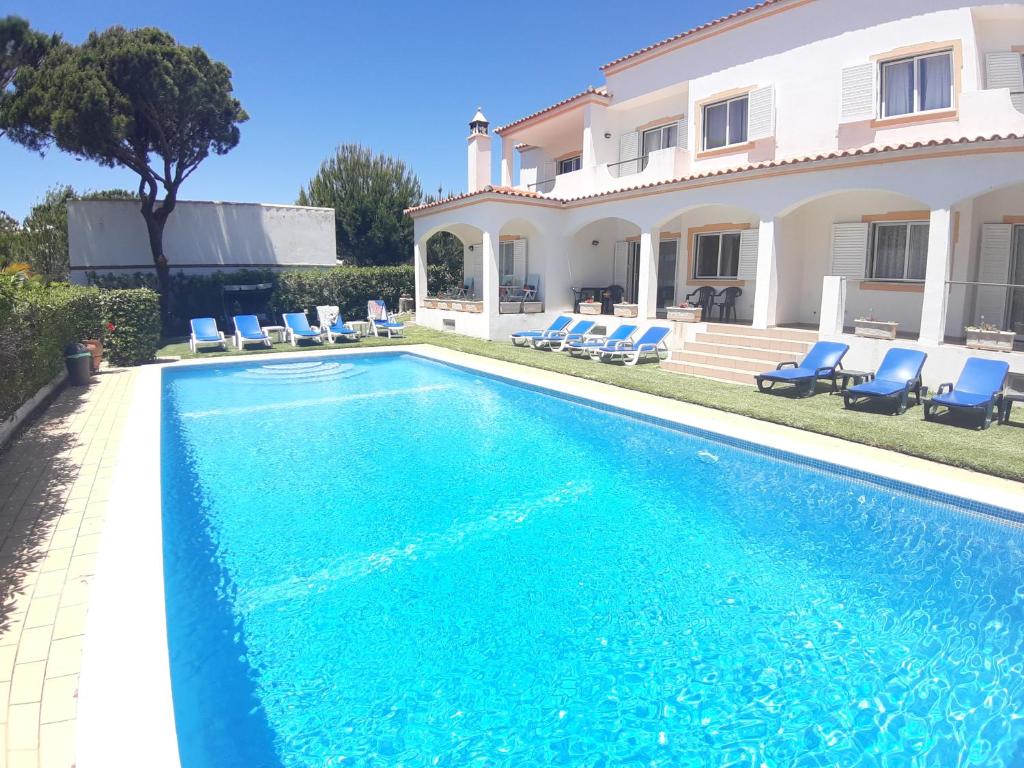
(543, 187)
(628, 167)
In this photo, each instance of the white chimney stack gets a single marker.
(479, 149)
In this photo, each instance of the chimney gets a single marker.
(479, 150)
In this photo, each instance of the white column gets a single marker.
(933, 304)
(490, 274)
(647, 294)
(959, 268)
(506, 161)
(833, 306)
(419, 260)
(767, 288)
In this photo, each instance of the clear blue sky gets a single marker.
(402, 77)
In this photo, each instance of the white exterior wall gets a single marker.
(110, 236)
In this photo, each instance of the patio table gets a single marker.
(279, 330)
(1012, 393)
(848, 374)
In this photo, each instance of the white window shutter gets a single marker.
(619, 266)
(519, 260)
(683, 133)
(747, 269)
(629, 151)
(1017, 99)
(1003, 70)
(858, 94)
(849, 249)
(993, 267)
(761, 113)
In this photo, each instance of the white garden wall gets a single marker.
(109, 236)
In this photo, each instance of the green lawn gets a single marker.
(996, 451)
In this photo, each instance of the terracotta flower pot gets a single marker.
(95, 347)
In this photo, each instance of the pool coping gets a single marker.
(125, 708)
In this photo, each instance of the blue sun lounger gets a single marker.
(591, 345)
(820, 363)
(333, 324)
(382, 322)
(898, 376)
(522, 338)
(559, 339)
(652, 342)
(296, 327)
(979, 388)
(248, 331)
(205, 331)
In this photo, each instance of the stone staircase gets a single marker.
(736, 353)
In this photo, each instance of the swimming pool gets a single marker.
(390, 561)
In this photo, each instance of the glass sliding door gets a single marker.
(1016, 310)
(667, 250)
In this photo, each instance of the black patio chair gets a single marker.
(725, 300)
(703, 297)
(609, 296)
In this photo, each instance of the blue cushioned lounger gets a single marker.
(820, 363)
(558, 339)
(591, 345)
(522, 338)
(897, 376)
(381, 321)
(652, 342)
(979, 388)
(297, 327)
(205, 331)
(248, 330)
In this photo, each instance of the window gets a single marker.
(899, 251)
(569, 164)
(917, 84)
(659, 138)
(717, 255)
(725, 123)
(506, 260)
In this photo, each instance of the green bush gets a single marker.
(135, 315)
(36, 323)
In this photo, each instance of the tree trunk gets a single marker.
(156, 219)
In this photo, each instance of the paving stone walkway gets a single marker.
(54, 485)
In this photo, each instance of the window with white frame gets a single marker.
(917, 84)
(569, 164)
(506, 261)
(725, 123)
(659, 138)
(716, 255)
(899, 251)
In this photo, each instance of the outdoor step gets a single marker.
(708, 372)
(799, 348)
(793, 334)
(724, 361)
(735, 350)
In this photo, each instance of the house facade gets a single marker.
(831, 161)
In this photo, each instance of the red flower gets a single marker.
(111, 327)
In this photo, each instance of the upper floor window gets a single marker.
(917, 84)
(659, 138)
(725, 123)
(569, 164)
(899, 251)
(717, 255)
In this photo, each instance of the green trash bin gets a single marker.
(78, 360)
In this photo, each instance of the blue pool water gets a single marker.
(387, 561)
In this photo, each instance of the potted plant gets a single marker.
(625, 310)
(685, 313)
(590, 306)
(990, 337)
(874, 329)
(95, 347)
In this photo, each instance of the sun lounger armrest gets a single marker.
(825, 370)
(786, 364)
(944, 388)
(870, 377)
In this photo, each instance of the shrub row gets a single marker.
(38, 321)
(348, 287)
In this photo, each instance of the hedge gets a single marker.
(38, 321)
(348, 287)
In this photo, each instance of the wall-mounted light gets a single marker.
(607, 135)
(472, 248)
(595, 243)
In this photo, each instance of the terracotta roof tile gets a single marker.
(695, 30)
(513, 192)
(591, 91)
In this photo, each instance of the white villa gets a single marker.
(833, 161)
